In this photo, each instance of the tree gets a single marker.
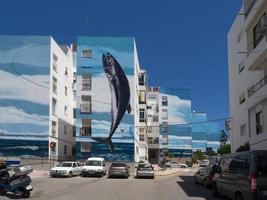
(244, 147)
(198, 155)
(170, 156)
(224, 149)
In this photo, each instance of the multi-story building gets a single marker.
(153, 127)
(247, 59)
(36, 101)
(109, 89)
(199, 131)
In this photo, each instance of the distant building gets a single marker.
(247, 60)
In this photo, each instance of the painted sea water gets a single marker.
(39, 148)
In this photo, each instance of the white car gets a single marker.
(94, 167)
(174, 164)
(66, 169)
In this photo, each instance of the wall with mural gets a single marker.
(24, 94)
(179, 119)
(110, 63)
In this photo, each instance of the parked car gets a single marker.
(173, 164)
(204, 163)
(94, 166)
(205, 175)
(242, 176)
(119, 169)
(145, 170)
(66, 168)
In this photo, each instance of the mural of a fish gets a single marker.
(120, 95)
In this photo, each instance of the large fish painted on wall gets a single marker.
(120, 95)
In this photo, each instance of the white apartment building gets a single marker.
(247, 60)
(153, 126)
(62, 131)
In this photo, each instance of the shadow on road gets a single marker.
(195, 190)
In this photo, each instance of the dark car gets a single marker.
(205, 175)
(242, 176)
(145, 170)
(119, 169)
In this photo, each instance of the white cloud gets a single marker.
(11, 116)
(15, 87)
(174, 137)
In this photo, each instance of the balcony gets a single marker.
(257, 59)
(253, 89)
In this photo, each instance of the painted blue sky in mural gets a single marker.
(24, 106)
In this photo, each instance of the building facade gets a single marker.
(247, 60)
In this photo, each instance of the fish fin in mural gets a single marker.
(129, 109)
(106, 141)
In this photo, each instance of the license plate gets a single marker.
(91, 172)
(117, 172)
(29, 187)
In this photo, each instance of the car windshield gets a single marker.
(93, 163)
(65, 164)
(144, 166)
(262, 165)
(117, 165)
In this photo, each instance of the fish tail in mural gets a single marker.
(106, 141)
(120, 93)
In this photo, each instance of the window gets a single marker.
(65, 110)
(155, 118)
(243, 130)
(156, 140)
(54, 85)
(66, 71)
(141, 130)
(150, 140)
(54, 128)
(258, 32)
(240, 164)
(164, 114)
(74, 153)
(66, 91)
(55, 62)
(141, 137)
(86, 104)
(87, 53)
(149, 107)
(142, 97)
(242, 98)
(86, 82)
(74, 131)
(149, 129)
(86, 127)
(164, 101)
(241, 67)
(65, 129)
(142, 115)
(54, 106)
(74, 113)
(141, 79)
(259, 122)
(165, 126)
(65, 149)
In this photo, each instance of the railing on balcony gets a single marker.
(257, 86)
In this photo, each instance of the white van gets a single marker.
(204, 163)
(94, 166)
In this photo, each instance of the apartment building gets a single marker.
(36, 101)
(247, 60)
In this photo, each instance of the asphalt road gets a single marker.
(77, 188)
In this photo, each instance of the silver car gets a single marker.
(145, 170)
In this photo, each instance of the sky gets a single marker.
(181, 44)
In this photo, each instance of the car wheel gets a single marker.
(168, 166)
(239, 196)
(70, 174)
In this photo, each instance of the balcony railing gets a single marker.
(257, 86)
